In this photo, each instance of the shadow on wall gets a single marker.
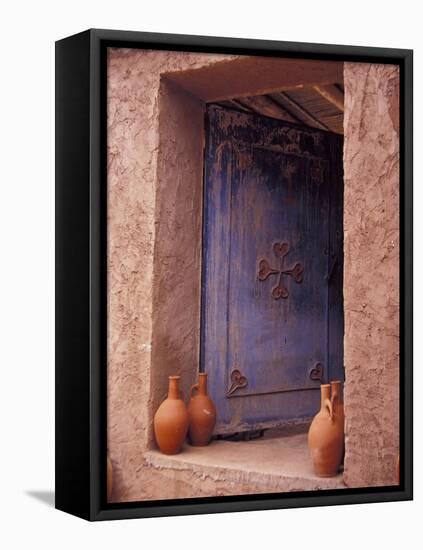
(46, 497)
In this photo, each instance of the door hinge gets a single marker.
(238, 381)
(316, 373)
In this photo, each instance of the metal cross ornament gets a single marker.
(265, 270)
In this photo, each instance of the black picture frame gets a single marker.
(81, 274)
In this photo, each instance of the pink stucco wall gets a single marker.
(371, 273)
(134, 78)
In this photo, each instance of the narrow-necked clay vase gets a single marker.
(201, 412)
(171, 420)
(338, 409)
(325, 438)
(109, 479)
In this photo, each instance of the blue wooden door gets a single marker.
(272, 311)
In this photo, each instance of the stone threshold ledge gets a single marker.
(271, 464)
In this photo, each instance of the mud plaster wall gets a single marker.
(371, 273)
(134, 78)
(177, 252)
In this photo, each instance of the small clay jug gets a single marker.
(201, 412)
(171, 420)
(109, 479)
(325, 438)
(338, 409)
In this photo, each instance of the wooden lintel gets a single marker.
(250, 76)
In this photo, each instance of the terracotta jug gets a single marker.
(338, 409)
(171, 420)
(109, 479)
(325, 438)
(202, 413)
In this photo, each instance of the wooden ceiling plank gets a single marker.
(234, 104)
(283, 109)
(303, 115)
(332, 94)
(262, 105)
(335, 123)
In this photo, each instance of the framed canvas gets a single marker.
(233, 274)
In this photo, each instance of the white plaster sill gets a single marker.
(273, 463)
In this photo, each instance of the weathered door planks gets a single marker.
(272, 311)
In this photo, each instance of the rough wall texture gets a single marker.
(371, 273)
(177, 250)
(134, 78)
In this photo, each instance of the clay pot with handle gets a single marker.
(325, 437)
(171, 420)
(201, 412)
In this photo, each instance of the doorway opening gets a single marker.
(272, 297)
(282, 121)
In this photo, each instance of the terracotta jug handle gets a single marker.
(194, 387)
(328, 405)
